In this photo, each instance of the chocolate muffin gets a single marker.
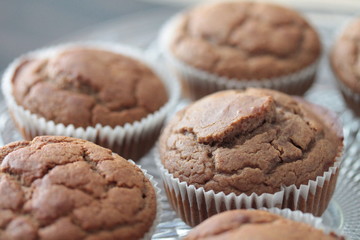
(67, 188)
(251, 143)
(241, 44)
(90, 92)
(256, 224)
(346, 66)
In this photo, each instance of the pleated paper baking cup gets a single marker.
(198, 83)
(348, 92)
(132, 140)
(194, 205)
(151, 231)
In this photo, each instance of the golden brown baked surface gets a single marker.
(250, 141)
(255, 224)
(345, 56)
(84, 86)
(245, 40)
(66, 188)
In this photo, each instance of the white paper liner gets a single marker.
(125, 140)
(200, 83)
(194, 205)
(152, 229)
(349, 92)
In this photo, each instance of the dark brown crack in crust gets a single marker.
(84, 86)
(250, 141)
(256, 224)
(345, 56)
(66, 188)
(245, 40)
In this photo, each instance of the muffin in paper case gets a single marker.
(132, 140)
(204, 185)
(194, 205)
(264, 223)
(193, 44)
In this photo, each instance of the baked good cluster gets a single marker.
(248, 158)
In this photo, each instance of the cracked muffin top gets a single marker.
(256, 224)
(244, 40)
(84, 86)
(345, 56)
(67, 188)
(251, 141)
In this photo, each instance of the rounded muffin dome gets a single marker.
(244, 40)
(252, 141)
(256, 224)
(67, 188)
(85, 86)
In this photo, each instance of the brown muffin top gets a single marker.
(255, 224)
(84, 86)
(244, 40)
(345, 56)
(66, 188)
(250, 141)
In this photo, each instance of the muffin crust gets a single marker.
(66, 188)
(83, 87)
(255, 224)
(345, 56)
(244, 40)
(252, 141)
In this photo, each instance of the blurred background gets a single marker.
(27, 25)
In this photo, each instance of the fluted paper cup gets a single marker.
(132, 140)
(194, 205)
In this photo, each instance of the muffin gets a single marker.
(230, 45)
(250, 148)
(67, 188)
(345, 65)
(258, 224)
(99, 92)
